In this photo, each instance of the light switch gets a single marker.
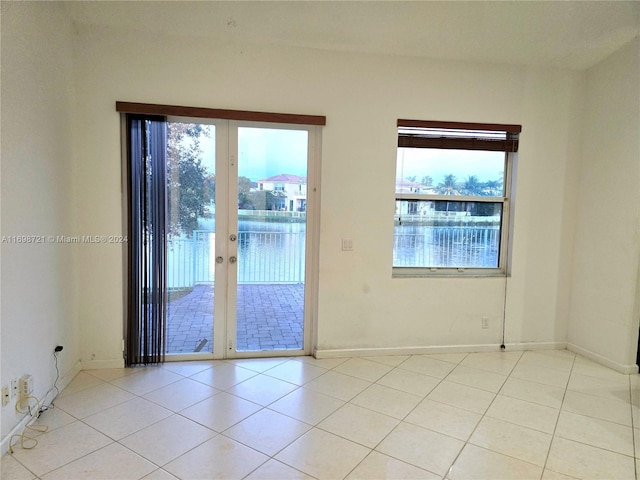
(347, 244)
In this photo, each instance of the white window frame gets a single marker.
(436, 135)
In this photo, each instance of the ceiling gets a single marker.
(567, 34)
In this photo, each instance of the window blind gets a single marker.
(458, 135)
(145, 324)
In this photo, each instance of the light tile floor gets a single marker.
(542, 415)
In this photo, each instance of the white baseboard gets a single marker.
(416, 350)
(596, 357)
(100, 364)
(68, 376)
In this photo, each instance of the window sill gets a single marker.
(403, 272)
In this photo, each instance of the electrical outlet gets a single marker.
(5, 395)
(485, 322)
(25, 385)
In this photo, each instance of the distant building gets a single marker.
(292, 187)
(412, 207)
(407, 186)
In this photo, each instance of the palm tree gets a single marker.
(472, 186)
(493, 188)
(449, 186)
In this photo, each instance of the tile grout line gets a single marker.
(266, 407)
(178, 414)
(402, 419)
(76, 419)
(555, 427)
(173, 413)
(348, 402)
(572, 370)
(466, 442)
(158, 467)
(141, 397)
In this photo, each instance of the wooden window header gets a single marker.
(197, 112)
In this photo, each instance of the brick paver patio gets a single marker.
(269, 317)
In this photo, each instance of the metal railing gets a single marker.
(279, 257)
(263, 257)
(271, 213)
(417, 218)
(456, 247)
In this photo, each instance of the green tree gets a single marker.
(449, 186)
(186, 177)
(210, 187)
(427, 181)
(244, 194)
(472, 186)
(493, 188)
(266, 199)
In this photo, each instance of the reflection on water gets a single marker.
(271, 252)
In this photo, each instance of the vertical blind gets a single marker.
(147, 179)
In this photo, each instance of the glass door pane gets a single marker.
(191, 219)
(271, 239)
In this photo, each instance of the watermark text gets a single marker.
(62, 239)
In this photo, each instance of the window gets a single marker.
(453, 183)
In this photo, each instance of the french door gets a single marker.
(241, 243)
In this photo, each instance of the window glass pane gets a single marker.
(271, 238)
(450, 172)
(449, 234)
(191, 218)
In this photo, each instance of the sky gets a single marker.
(421, 162)
(264, 152)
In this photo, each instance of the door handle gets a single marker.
(233, 259)
(219, 259)
(232, 237)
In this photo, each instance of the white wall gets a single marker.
(605, 295)
(39, 288)
(362, 96)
